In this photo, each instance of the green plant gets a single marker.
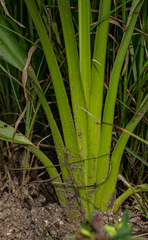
(143, 203)
(89, 168)
(120, 230)
(92, 229)
(132, 190)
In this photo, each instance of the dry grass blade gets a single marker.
(8, 14)
(126, 62)
(20, 118)
(24, 80)
(24, 75)
(115, 23)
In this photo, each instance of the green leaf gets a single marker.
(10, 50)
(111, 230)
(7, 134)
(125, 220)
(125, 195)
(85, 232)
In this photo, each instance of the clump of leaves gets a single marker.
(92, 229)
(120, 230)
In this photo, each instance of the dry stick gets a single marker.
(120, 177)
(99, 122)
(93, 185)
(11, 186)
(49, 179)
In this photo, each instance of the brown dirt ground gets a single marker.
(36, 214)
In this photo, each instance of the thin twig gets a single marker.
(92, 185)
(47, 180)
(99, 122)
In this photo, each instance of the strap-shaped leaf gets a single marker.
(10, 50)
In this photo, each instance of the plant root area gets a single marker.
(29, 213)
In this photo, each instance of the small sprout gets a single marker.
(85, 232)
(111, 230)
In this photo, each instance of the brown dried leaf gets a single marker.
(8, 14)
(24, 80)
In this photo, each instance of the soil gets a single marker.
(35, 217)
(34, 213)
